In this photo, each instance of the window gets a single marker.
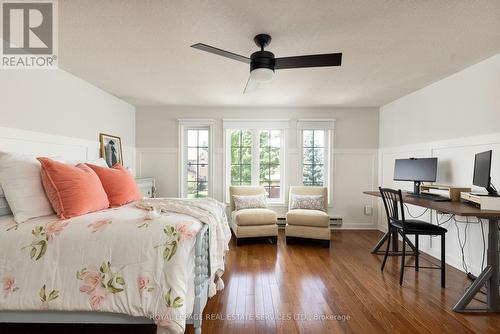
(255, 158)
(197, 163)
(313, 157)
(241, 157)
(315, 143)
(269, 165)
(195, 158)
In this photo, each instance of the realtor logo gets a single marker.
(29, 34)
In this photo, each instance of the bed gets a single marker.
(148, 263)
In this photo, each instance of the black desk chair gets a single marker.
(409, 227)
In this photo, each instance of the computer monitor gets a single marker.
(417, 170)
(482, 170)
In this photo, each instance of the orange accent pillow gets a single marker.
(72, 190)
(118, 184)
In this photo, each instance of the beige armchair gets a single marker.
(252, 222)
(308, 223)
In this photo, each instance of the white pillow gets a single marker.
(22, 185)
(249, 202)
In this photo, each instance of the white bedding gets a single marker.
(123, 260)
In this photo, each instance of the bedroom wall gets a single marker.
(54, 111)
(452, 120)
(355, 151)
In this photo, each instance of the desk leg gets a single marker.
(394, 241)
(380, 242)
(493, 294)
(489, 276)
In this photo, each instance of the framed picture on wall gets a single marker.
(111, 149)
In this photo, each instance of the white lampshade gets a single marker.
(262, 75)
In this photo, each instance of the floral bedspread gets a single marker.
(123, 260)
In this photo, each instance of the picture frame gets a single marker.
(111, 149)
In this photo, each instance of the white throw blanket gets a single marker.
(208, 211)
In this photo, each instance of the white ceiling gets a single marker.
(139, 50)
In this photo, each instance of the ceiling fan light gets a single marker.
(262, 75)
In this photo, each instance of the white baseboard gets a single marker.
(355, 226)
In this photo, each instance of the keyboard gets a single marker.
(432, 197)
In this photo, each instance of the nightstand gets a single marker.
(147, 186)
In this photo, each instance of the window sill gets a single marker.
(279, 205)
(276, 205)
(271, 205)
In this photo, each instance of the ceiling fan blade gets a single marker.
(251, 85)
(327, 59)
(220, 52)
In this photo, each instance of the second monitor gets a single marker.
(482, 173)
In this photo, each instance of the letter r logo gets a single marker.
(27, 28)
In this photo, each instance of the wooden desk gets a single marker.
(455, 208)
(490, 276)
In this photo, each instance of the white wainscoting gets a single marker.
(43, 144)
(355, 170)
(455, 166)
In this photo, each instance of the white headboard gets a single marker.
(37, 143)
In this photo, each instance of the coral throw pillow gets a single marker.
(118, 184)
(72, 190)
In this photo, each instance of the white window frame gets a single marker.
(327, 125)
(255, 126)
(191, 124)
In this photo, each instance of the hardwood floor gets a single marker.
(304, 281)
(302, 288)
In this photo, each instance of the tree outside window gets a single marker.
(269, 164)
(241, 158)
(313, 157)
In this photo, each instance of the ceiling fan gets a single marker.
(263, 63)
